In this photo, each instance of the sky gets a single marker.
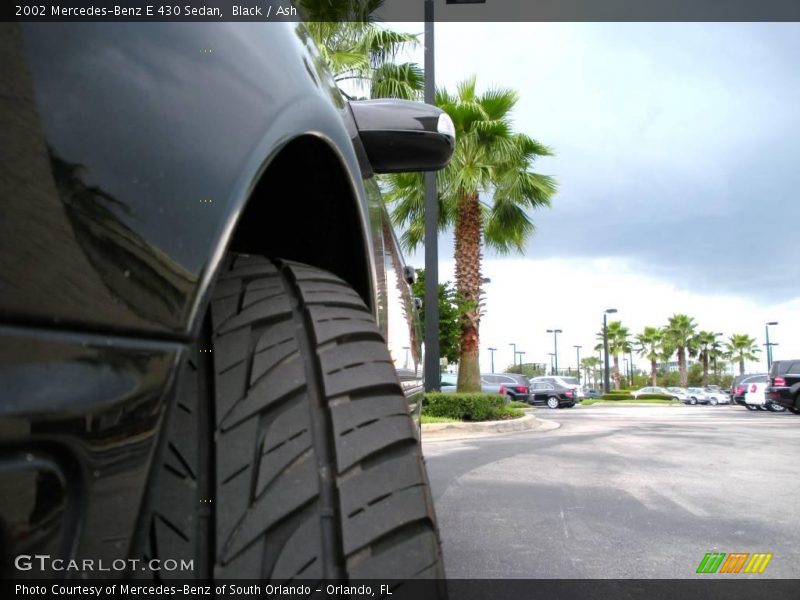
(676, 153)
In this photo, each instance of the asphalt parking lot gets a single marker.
(621, 492)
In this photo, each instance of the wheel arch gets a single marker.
(305, 207)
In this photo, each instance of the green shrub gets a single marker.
(508, 412)
(468, 407)
(616, 396)
(429, 419)
(518, 404)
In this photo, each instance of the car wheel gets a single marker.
(552, 402)
(759, 407)
(713, 402)
(750, 407)
(795, 410)
(693, 401)
(776, 408)
(290, 452)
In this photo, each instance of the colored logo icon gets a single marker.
(734, 562)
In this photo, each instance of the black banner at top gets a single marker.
(402, 10)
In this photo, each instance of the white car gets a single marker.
(680, 393)
(698, 396)
(717, 396)
(755, 397)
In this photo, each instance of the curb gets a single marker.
(450, 431)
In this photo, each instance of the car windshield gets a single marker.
(570, 380)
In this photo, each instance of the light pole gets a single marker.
(551, 363)
(431, 228)
(406, 348)
(514, 345)
(491, 352)
(607, 312)
(521, 353)
(555, 333)
(432, 218)
(578, 352)
(769, 346)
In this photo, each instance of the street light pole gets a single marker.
(555, 333)
(431, 229)
(578, 352)
(521, 353)
(491, 352)
(514, 345)
(769, 346)
(606, 384)
(552, 372)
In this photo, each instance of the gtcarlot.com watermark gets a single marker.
(45, 562)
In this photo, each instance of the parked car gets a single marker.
(784, 385)
(590, 393)
(552, 394)
(698, 395)
(512, 386)
(197, 279)
(716, 396)
(680, 393)
(754, 396)
(654, 389)
(739, 387)
(558, 380)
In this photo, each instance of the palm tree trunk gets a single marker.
(741, 365)
(616, 372)
(682, 366)
(653, 372)
(468, 231)
(705, 369)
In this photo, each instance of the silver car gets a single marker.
(698, 396)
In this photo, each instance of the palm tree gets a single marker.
(360, 54)
(679, 333)
(589, 365)
(716, 353)
(704, 342)
(490, 160)
(742, 347)
(618, 342)
(649, 346)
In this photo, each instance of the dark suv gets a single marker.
(513, 386)
(784, 384)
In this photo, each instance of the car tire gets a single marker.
(692, 401)
(290, 452)
(750, 407)
(776, 408)
(713, 402)
(552, 402)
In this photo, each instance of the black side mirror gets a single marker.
(401, 135)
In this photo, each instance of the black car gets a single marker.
(193, 307)
(551, 395)
(784, 384)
